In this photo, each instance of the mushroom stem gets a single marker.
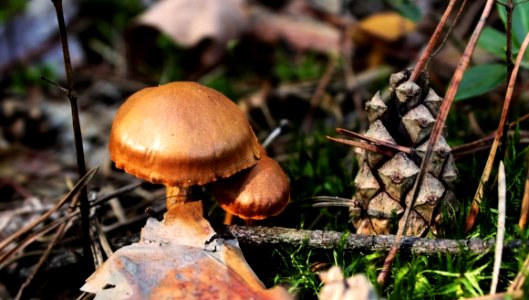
(187, 216)
(175, 195)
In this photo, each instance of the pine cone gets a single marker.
(404, 115)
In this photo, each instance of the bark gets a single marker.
(320, 239)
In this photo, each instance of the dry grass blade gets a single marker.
(80, 184)
(34, 236)
(518, 283)
(500, 235)
(320, 90)
(436, 132)
(474, 209)
(43, 258)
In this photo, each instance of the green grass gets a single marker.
(322, 166)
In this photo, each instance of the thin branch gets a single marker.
(449, 31)
(85, 210)
(436, 132)
(320, 239)
(425, 55)
(474, 209)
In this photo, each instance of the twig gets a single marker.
(474, 209)
(34, 236)
(484, 143)
(319, 239)
(500, 235)
(509, 8)
(320, 90)
(72, 215)
(448, 32)
(85, 210)
(436, 132)
(425, 55)
(275, 133)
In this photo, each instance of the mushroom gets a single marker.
(182, 134)
(256, 193)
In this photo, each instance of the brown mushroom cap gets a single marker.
(181, 134)
(256, 193)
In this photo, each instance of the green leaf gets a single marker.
(520, 22)
(493, 41)
(481, 79)
(407, 9)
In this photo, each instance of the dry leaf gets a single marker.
(168, 264)
(300, 32)
(336, 287)
(189, 22)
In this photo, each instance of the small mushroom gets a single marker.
(254, 194)
(182, 134)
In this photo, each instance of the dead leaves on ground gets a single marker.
(300, 25)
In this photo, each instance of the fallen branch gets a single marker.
(319, 239)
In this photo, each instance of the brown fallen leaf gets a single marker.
(299, 31)
(188, 23)
(209, 25)
(167, 264)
